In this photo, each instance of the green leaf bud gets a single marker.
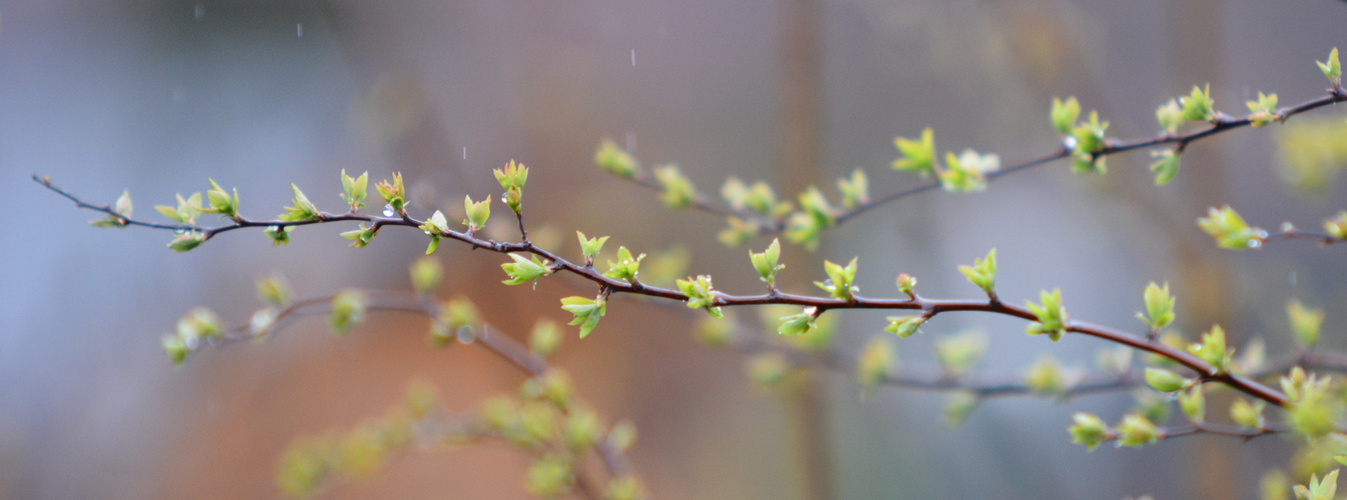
(348, 310)
(1263, 111)
(1136, 431)
(549, 476)
(700, 294)
(187, 210)
(906, 284)
(477, 213)
(616, 161)
(803, 229)
(1170, 116)
(512, 178)
(426, 273)
(1193, 403)
(876, 363)
(958, 406)
(918, 155)
(1164, 380)
(768, 370)
(1065, 114)
(1165, 167)
(1212, 349)
(1089, 136)
(982, 273)
(1326, 488)
(123, 209)
(856, 190)
(1197, 105)
(1305, 322)
(590, 247)
(1332, 68)
(453, 316)
(796, 324)
(176, 348)
(735, 193)
(967, 173)
(354, 190)
(1051, 315)
(581, 429)
(1229, 229)
(762, 199)
(958, 354)
(220, 201)
(678, 190)
(714, 332)
(394, 193)
(279, 235)
(626, 268)
(840, 280)
(1088, 430)
(545, 337)
(274, 290)
(904, 326)
(1248, 414)
(1159, 306)
(813, 202)
(766, 262)
(187, 241)
(362, 236)
(1337, 226)
(524, 269)
(1045, 376)
(302, 209)
(586, 312)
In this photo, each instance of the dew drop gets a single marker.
(811, 310)
(466, 334)
(1288, 227)
(199, 12)
(388, 210)
(1262, 234)
(179, 231)
(1255, 243)
(1069, 142)
(299, 30)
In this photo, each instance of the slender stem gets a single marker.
(928, 307)
(773, 225)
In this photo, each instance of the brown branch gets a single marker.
(928, 307)
(1222, 123)
(504, 347)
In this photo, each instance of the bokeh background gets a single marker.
(156, 96)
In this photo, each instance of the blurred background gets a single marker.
(155, 96)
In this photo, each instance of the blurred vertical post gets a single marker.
(1195, 27)
(800, 47)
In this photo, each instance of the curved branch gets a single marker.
(607, 286)
(504, 347)
(1220, 124)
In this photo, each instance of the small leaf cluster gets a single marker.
(512, 178)
(1229, 229)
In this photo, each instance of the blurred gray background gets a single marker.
(156, 96)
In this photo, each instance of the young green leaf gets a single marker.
(967, 173)
(525, 269)
(1170, 116)
(840, 280)
(1212, 349)
(1319, 489)
(1229, 229)
(591, 247)
(348, 310)
(1332, 68)
(586, 312)
(1159, 306)
(187, 241)
(1263, 111)
(362, 236)
(512, 178)
(1089, 430)
(1164, 380)
(477, 213)
(1166, 166)
(1051, 315)
(678, 190)
(1197, 105)
(1065, 114)
(766, 262)
(626, 268)
(700, 294)
(1305, 322)
(982, 273)
(856, 190)
(797, 324)
(616, 161)
(1248, 414)
(220, 201)
(1193, 403)
(918, 154)
(302, 209)
(904, 326)
(394, 193)
(274, 290)
(1045, 376)
(354, 190)
(279, 235)
(1136, 430)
